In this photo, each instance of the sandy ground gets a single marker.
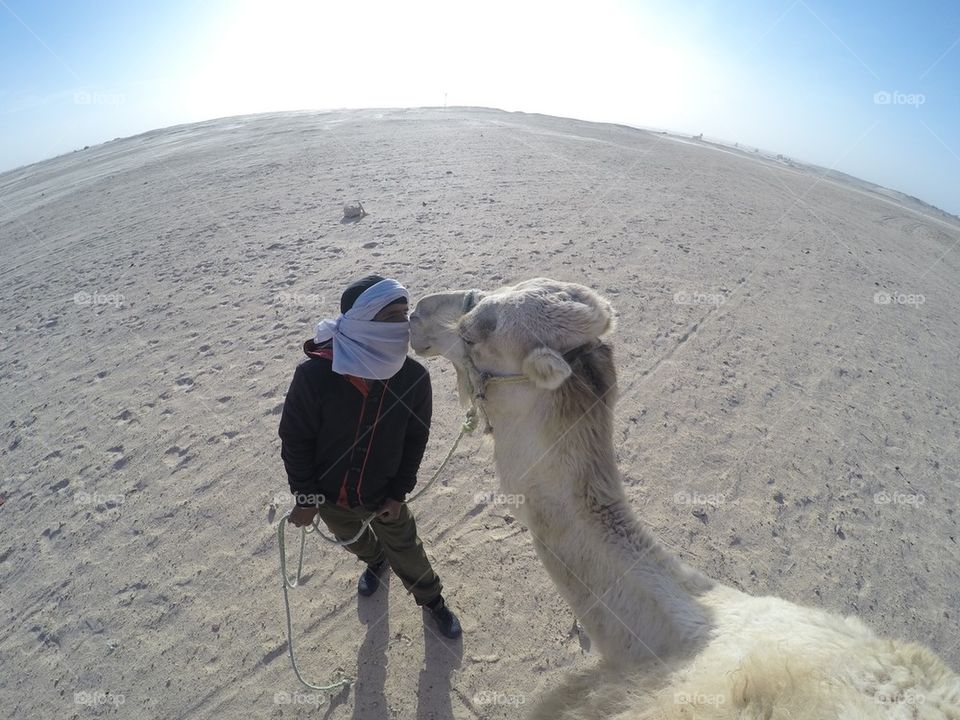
(779, 426)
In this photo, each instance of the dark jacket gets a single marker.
(354, 441)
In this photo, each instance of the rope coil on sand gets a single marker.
(469, 425)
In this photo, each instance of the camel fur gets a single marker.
(674, 642)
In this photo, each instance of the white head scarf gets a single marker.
(363, 347)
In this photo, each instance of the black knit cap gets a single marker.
(358, 287)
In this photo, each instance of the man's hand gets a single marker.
(301, 516)
(390, 510)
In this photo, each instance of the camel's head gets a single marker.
(521, 329)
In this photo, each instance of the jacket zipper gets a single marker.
(343, 500)
(373, 433)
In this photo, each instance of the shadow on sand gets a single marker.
(370, 699)
(441, 658)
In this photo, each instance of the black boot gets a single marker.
(370, 580)
(446, 621)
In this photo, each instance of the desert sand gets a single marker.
(787, 351)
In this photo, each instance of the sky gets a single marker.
(870, 88)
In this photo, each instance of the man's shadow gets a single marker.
(369, 698)
(441, 658)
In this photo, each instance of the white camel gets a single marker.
(675, 643)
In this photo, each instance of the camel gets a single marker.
(674, 642)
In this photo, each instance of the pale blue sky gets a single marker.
(797, 77)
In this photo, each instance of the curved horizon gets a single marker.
(707, 139)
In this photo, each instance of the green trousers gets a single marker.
(395, 541)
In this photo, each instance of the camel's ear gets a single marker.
(546, 368)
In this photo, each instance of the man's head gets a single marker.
(372, 335)
(394, 311)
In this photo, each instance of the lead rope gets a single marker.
(469, 425)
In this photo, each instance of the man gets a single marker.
(354, 428)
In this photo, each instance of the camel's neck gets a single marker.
(635, 600)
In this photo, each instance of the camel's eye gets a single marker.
(468, 343)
